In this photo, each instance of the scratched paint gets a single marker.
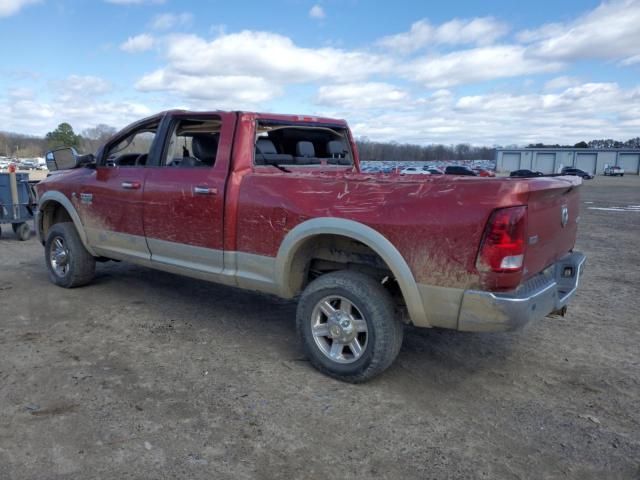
(435, 222)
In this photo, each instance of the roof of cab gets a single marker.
(259, 115)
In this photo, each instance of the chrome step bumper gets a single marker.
(541, 295)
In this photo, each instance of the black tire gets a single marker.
(384, 329)
(81, 265)
(22, 231)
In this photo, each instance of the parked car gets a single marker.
(434, 170)
(576, 172)
(459, 170)
(277, 204)
(524, 173)
(614, 170)
(28, 164)
(483, 172)
(414, 171)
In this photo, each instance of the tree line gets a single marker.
(28, 146)
(632, 143)
(373, 151)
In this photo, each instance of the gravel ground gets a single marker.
(149, 375)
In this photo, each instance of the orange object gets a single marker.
(12, 168)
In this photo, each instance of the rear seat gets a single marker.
(337, 153)
(266, 153)
(306, 153)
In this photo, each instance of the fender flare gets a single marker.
(60, 198)
(294, 240)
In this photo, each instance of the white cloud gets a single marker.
(610, 31)
(541, 33)
(11, 7)
(85, 85)
(31, 112)
(361, 95)
(582, 112)
(475, 65)
(139, 43)
(231, 91)
(631, 60)
(578, 105)
(269, 55)
(264, 63)
(20, 93)
(166, 21)
(561, 82)
(481, 31)
(317, 12)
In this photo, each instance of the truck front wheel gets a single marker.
(348, 326)
(69, 263)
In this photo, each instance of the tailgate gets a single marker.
(553, 215)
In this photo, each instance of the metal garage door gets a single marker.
(630, 162)
(545, 162)
(510, 162)
(586, 162)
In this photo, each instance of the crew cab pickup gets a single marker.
(277, 204)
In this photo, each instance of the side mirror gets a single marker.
(66, 159)
(62, 159)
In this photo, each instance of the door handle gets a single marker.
(205, 190)
(130, 185)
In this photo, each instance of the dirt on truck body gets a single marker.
(277, 204)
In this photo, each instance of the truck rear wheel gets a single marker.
(69, 263)
(348, 326)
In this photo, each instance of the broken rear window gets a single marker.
(281, 143)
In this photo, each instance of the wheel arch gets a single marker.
(49, 206)
(303, 234)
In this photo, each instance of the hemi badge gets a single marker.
(533, 239)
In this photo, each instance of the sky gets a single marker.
(485, 73)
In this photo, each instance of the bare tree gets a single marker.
(93, 138)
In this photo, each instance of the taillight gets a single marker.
(503, 244)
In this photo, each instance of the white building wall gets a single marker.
(530, 158)
(605, 158)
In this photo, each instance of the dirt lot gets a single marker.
(150, 375)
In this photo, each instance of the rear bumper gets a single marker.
(543, 294)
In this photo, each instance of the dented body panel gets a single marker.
(253, 224)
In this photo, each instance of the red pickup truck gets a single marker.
(277, 203)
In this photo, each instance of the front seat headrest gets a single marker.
(205, 147)
(305, 149)
(265, 146)
(335, 148)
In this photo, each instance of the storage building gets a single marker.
(552, 160)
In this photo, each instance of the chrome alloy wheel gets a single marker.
(339, 329)
(59, 257)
